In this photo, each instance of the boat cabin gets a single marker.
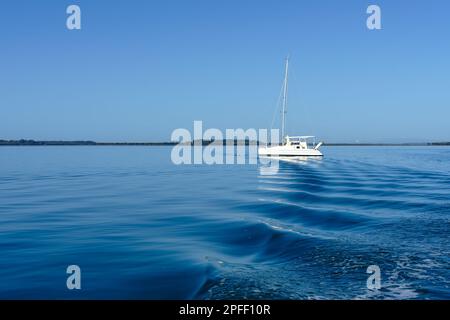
(299, 142)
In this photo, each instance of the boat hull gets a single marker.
(291, 151)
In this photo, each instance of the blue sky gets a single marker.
(139, 69)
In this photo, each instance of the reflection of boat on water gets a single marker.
(270, 165)
(291, 146)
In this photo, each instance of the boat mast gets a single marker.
(285, 90)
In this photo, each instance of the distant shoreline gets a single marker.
(24, 142)
(79, 143)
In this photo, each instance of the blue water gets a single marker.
(140, 227)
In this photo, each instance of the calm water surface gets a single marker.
(141, 227)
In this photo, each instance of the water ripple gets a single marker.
(141, 227)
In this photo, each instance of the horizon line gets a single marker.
(32, 142)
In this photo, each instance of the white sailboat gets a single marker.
(291, 146)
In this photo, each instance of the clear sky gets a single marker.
(139, 69)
